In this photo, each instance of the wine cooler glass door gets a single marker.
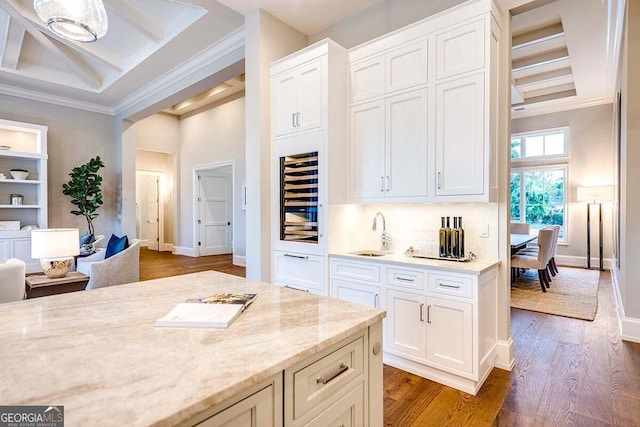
(299, 198)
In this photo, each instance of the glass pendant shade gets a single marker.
(79, 20)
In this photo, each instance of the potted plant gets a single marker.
(85, 191)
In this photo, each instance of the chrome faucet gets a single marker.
(384, 237)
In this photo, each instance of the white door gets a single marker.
(215, 213)
(406, 149)
(153, 212)
(366, 151)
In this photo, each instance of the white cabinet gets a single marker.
(460, 136)
(440, 324)
(256, 410)
(388, 147)
(297, 97)
(26, 149)
(460, 50)
(300, 271)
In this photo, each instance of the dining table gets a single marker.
(520, 240)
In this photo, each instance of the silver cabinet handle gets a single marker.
(296, 256)
(341, 370)
(382, 183)
(404, 279)
(293, 119)
(438, 180)
(422, 312)
(375, 301)
(296, 289)
(298, 119)
(388, 184)
(429, 313)
(444, 285)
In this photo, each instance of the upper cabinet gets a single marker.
(432, 88)
(297, 99)
(23, 200)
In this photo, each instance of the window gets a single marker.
(539, 197)
(540, 145)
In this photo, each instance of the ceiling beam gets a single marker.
(14, 36)
(539, 60)
(545, 76)
(139, 20)
(537, 35)
(78, 67)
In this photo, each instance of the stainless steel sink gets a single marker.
(370, 253)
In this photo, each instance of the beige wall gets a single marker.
(590, 163)
(74, 137)
(159, 132)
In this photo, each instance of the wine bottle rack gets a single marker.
(299, 198)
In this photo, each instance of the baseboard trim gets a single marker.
(144, 243)
(581, 261)
(239, 260)
(629, 326)
(181, 250)
(504, 355)
(167, 247)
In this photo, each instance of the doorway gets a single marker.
(149, 216)
(214, 210)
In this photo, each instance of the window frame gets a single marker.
(558, 166)
(544, 132)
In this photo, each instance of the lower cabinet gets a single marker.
(19, 247)
(301, 271)
(256, 410)
(441, 325)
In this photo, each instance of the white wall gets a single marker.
(381, 19)
(267, 39)
(74, 137)
(159, 132)
(210, 137)
(590, 163)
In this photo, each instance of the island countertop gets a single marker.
(98, 353)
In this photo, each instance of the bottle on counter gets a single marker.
(461, 237)
(455, 239)
(447, 238)
(443, 246)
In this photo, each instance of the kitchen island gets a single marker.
(97, 353)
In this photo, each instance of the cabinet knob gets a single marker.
(376, 349)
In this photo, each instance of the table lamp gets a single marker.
(55, 248)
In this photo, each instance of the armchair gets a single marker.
(12, 280)
(122, 267)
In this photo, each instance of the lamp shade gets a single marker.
(596, 193)
(79, 20)
(55, 243)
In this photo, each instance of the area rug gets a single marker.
(573, 293)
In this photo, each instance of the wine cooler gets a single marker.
(299, 198)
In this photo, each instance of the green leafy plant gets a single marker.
(85, 191)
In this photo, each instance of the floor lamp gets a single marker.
(595, 195)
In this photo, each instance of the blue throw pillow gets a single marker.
(86, 238)
(116, 245)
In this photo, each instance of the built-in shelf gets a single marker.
(22, 155)
(20, 206)
(20, 181)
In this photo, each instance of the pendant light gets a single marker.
(80, 20)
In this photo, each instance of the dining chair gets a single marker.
(520, 228)
(537, 261)
(533, 250)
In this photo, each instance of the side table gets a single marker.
(39, 285)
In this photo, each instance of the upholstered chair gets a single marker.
(12, 275)
(539, 260)
(123, 267)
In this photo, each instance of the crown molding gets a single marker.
(206, 57)
(54, 99)
(546, 108)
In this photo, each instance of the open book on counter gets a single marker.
(214, 311)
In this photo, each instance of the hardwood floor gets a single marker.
(568, 372)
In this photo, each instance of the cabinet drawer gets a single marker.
(346, 412)
(300, 271)
(324, 378)
(461, 286)
(412, 279)
(355, 292)
(355, 270)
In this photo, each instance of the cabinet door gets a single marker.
(460, 137)
(366, 150)
(355, 292)
(406, 147)
(256, 410)
(407, 66)
(310, 90)
(284, 93)
(367, 78)
(460, 50)
(406, 324)
(450, 333)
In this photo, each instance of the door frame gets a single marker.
(196, 205)
(161, 202)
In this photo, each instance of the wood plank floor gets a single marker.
(568, 372)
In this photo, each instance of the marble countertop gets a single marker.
(476, 266)
(98, 353)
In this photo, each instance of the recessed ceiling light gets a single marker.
(219, 89)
